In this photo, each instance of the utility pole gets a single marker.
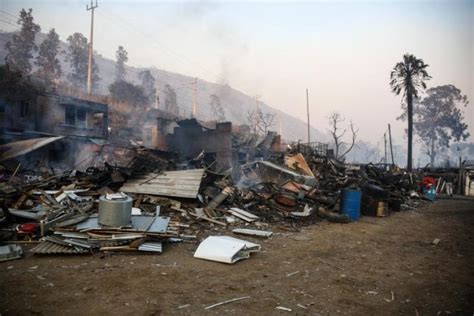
(385, 148)
(91, 8)
(194, 96)
(281, 129)
(256, 102)
(307, 112)
(256, 118)
(157, 98)
(390, 138)
(460, 177)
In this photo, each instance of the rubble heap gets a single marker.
(168, 202)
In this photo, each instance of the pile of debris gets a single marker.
(151, 202)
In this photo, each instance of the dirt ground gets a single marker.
(324, 269)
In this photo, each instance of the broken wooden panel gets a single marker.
(184, 183)
(246, 216)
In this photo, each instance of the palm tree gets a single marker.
(408, 76)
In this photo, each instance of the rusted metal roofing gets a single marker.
(15, 149)
(183, 183)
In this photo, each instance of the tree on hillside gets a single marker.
(217, 109)
(49, 67)
(78, 58)
(21, 47)
(439, 119)
(148, 84)
(16, 86)
(408, 76)
(128, 92)
(171, 103)
(122, 57)
(337, 132)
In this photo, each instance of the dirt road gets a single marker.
(377, 266)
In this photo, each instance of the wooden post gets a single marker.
(194, 96)
(460, 177)
(390, 139)
(307, 112)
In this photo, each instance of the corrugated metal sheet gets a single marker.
(47, 247)
(184, 183)
(15, 149)
(151, 246)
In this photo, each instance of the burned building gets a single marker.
(61, 129)
(221, 143)
(156, 125)
(50, 114)
(191, 137)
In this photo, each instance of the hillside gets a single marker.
(236, 103)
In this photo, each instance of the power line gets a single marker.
(182, 89)
(130, 27)
(8, 13)
(170, 78)
(7, 22)
(170, 52)
(125, 23)
(8, 19)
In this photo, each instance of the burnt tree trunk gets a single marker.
(432, 153)
(410, 129)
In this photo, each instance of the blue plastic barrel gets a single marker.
(350, 203)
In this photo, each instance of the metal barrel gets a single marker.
(117, 212)
(350, 203)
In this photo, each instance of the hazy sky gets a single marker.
(342, 51)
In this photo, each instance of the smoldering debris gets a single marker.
(175, 199)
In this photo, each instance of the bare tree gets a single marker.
(266, 121)
(259, 121)
(337, 133)
(252, 120)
